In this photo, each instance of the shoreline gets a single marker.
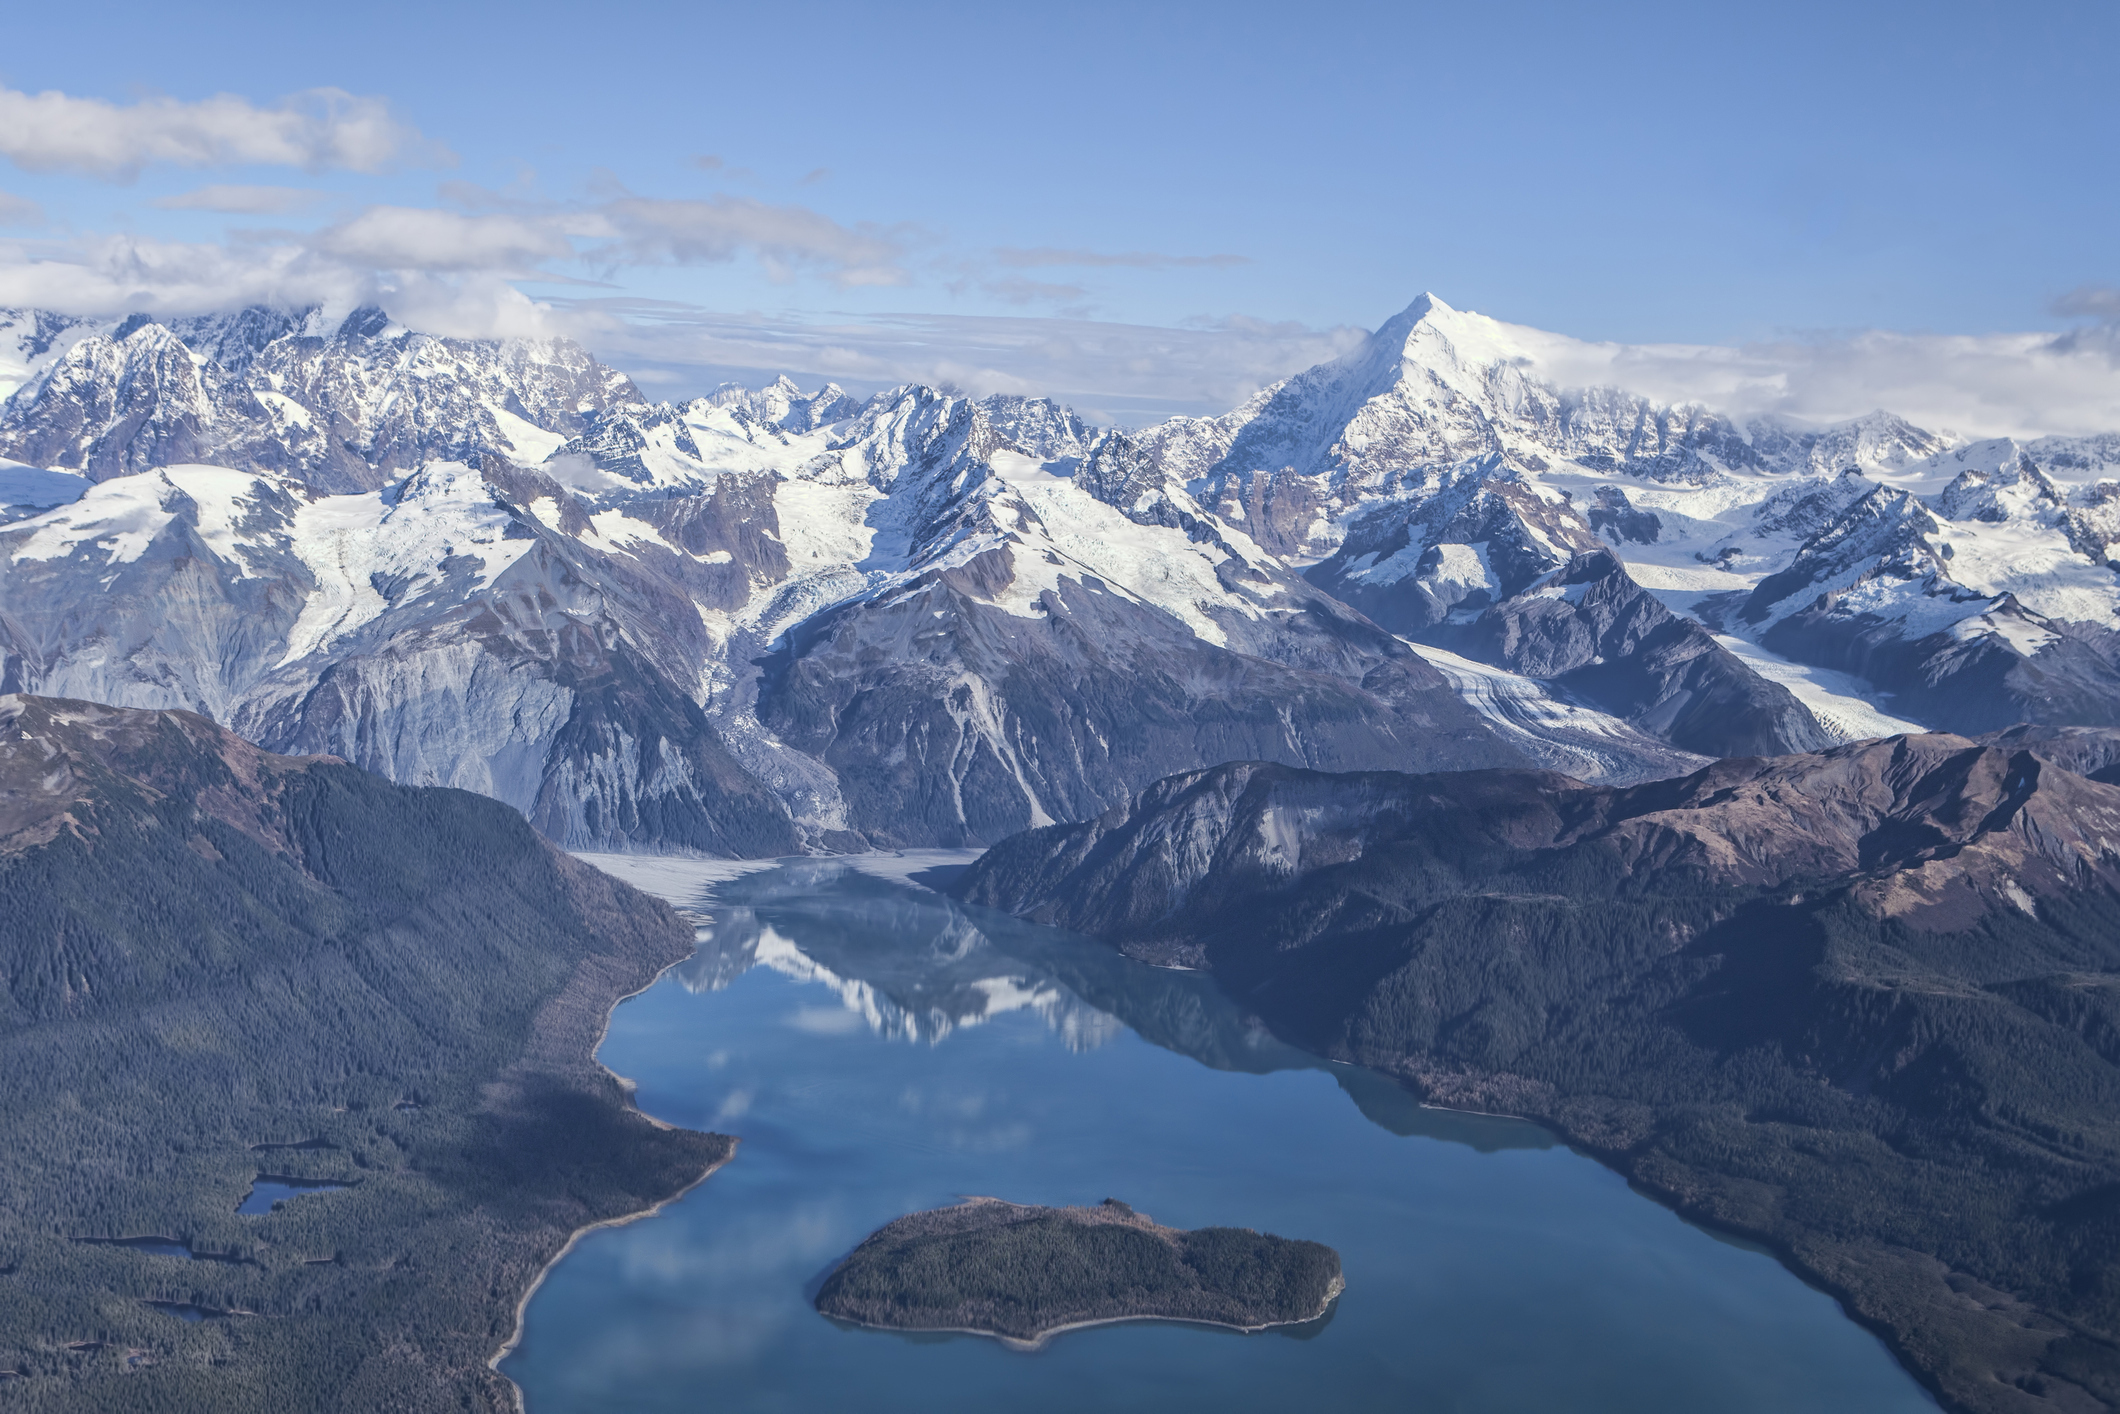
(1781, 1252)
(1037, 1342)
(627, 1087)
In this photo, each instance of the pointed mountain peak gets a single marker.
(1426, 311)
(1436, 336)
(1427, 305)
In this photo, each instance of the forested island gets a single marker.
(223, 970)
(1027, 1273)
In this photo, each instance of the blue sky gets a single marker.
(1270, 177)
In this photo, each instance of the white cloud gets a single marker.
(650, 230)
(318, 130)
(242, 201)
(122, 274)
(450, 268)
(422, 238)
(1989, 385)
(1126, 373)
(116, 274)
(517, 239)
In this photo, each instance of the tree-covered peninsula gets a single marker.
(219, 965)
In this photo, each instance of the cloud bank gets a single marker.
(455, 268)
(1983, 385)
(453, 273)
(1129, 374)
(319, 130)
(242, 201)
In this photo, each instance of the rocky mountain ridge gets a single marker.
(898, 627)
(339, 406)
(767, 619)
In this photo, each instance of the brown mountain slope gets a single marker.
(1863, 1004)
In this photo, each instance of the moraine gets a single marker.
(881, 1050)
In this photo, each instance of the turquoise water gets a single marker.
(879, 1050)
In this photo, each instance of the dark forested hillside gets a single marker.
(1863, 1005)
(218, 965)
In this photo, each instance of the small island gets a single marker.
(1022, 1273)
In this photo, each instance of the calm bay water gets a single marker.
(879, 1050)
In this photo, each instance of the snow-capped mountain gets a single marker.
(768, 620)
(1888, 574)
(340, 406)
(755, 623)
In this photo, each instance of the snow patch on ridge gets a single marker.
(1152, 564)
(443, 517)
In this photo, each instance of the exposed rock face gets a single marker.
(900, 628)
(438, 636)
(1590, 630)
(1486, 536)
(1854, 1003)
(1952, 814)
(2090, 752)
(1874, 592)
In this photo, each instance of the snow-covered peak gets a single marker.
(30, 340)
(224, 513)
(1430, 334)
(341, 403)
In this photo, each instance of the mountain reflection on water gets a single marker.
(915, 965)
(879, 1050)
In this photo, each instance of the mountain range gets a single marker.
(768, 621)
